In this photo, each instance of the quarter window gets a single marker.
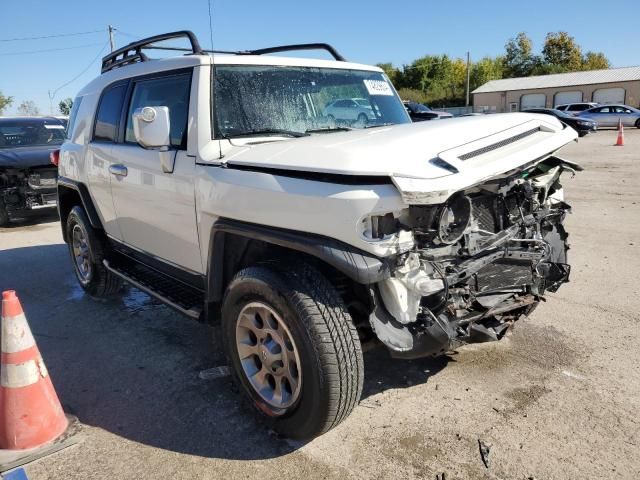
(108, 116)
(171, 92)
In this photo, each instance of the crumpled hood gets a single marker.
(459, 152)
(26, 157)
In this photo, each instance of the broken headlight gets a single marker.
(453, 219)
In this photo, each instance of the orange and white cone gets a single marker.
(620, 140)
(31, 417)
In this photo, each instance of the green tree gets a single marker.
(28, 108)
(441, 79)
(519, 60)
(65, 106)
(595, 61)
(4, 102)
(561, 53)
(485, 70)
(412, 95)
(391, 71)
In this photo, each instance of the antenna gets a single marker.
(210, 24)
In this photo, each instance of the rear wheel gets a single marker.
(87, 253)
(638, 123)
(293, 348)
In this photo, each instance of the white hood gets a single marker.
(427, 161)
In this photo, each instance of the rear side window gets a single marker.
(73, 115)
(172, 92)
(109, 111)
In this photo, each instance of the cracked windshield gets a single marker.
(296, 101)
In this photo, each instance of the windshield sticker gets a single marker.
(54, 127)
(378, 87)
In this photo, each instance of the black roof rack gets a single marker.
(299, 46)
(132, 53)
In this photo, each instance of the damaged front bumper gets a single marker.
(470, 279)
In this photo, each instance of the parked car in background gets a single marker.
(610, 115)
(350, 110)
(576, 108)
(420, 112)
(27, 177)
(580, 125)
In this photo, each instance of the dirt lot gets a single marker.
(558, 399)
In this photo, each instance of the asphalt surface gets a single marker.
(557, 399)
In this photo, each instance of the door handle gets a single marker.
(118, 170)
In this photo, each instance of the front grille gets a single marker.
(495, 146)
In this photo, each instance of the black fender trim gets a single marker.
(360, 266)
(87, 203)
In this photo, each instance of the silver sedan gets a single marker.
(610, 115)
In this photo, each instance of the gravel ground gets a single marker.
(557, 399)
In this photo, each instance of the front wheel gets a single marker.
(638, 123)
(293, 348)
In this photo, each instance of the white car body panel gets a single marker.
(402, 153)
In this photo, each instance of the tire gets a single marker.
(4, 216)
(638, 123)
(323, 341)
(93, 277)
(363, 119)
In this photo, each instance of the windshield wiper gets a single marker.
(329, 129)
(379, 125)
(268, 131)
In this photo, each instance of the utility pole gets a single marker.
(468, 77)
(111, 42)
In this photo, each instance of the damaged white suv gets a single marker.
(214, 182)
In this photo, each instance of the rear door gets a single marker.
(156, 210)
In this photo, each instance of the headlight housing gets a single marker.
(453, 219)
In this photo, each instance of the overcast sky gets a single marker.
(363, 31)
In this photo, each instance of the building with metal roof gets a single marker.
(614, 85)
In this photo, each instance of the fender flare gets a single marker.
(85, 198)
(360, 266)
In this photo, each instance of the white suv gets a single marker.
(215, 183)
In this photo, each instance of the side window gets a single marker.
(108, 116)
(604, 110)
(72, 116)
(172, 92)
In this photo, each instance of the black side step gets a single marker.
(175, 294)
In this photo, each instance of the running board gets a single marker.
(146, 284)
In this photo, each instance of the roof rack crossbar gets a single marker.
(132, 52)
(300, 46)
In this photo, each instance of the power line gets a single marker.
(18, 39)
(50, 50)
(52, 95)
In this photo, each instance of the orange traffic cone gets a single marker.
(620, 141)
(31, 417)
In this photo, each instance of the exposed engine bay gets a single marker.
(480, 261)
(24, 189)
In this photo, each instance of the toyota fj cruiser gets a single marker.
(214, 182)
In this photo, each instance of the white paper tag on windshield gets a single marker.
(378, 87)
(54, 127)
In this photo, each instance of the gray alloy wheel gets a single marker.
(268, 355)
(81, 254)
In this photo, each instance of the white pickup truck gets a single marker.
(216, 183)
